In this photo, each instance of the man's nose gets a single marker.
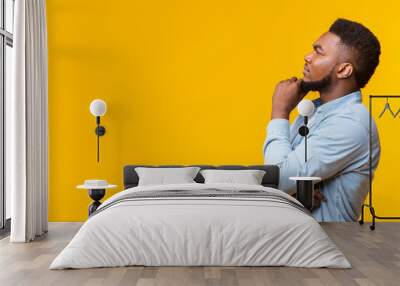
(307, 58)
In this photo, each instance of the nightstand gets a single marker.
(305, 190)
(97, 190)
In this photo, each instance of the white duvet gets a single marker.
(192, 231)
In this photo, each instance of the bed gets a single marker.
(198, 224)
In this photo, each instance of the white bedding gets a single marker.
(183, 231)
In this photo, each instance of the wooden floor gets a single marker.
(375, 256)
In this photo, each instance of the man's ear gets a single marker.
(345, 70)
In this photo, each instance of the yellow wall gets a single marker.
(189, 82)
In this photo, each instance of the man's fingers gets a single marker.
(319, 196)
(322, 196)
(292, 79)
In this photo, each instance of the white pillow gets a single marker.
(248, 177)
(165, 176)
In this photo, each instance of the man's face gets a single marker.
(319, 67)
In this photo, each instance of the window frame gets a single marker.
(6, 39)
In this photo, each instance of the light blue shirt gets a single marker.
(338, 152)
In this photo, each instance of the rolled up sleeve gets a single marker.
(277, 145)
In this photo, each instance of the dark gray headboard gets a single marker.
(271, 177)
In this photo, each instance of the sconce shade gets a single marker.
(306, 107)
(98, 107)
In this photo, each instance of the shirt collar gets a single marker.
(351, 98)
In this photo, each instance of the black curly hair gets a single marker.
(364, 45)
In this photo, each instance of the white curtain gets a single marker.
(26, 123)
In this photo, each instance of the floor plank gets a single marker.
(374, 255)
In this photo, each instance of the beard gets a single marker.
(318, 85)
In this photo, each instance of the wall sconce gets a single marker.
(306, 109)
(98, 108)
(305, 185)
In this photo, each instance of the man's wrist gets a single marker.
(280, 114)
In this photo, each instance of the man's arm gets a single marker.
(331, 149)
(287, 95)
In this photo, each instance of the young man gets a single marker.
(341, 63)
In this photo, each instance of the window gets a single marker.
(6, 61)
